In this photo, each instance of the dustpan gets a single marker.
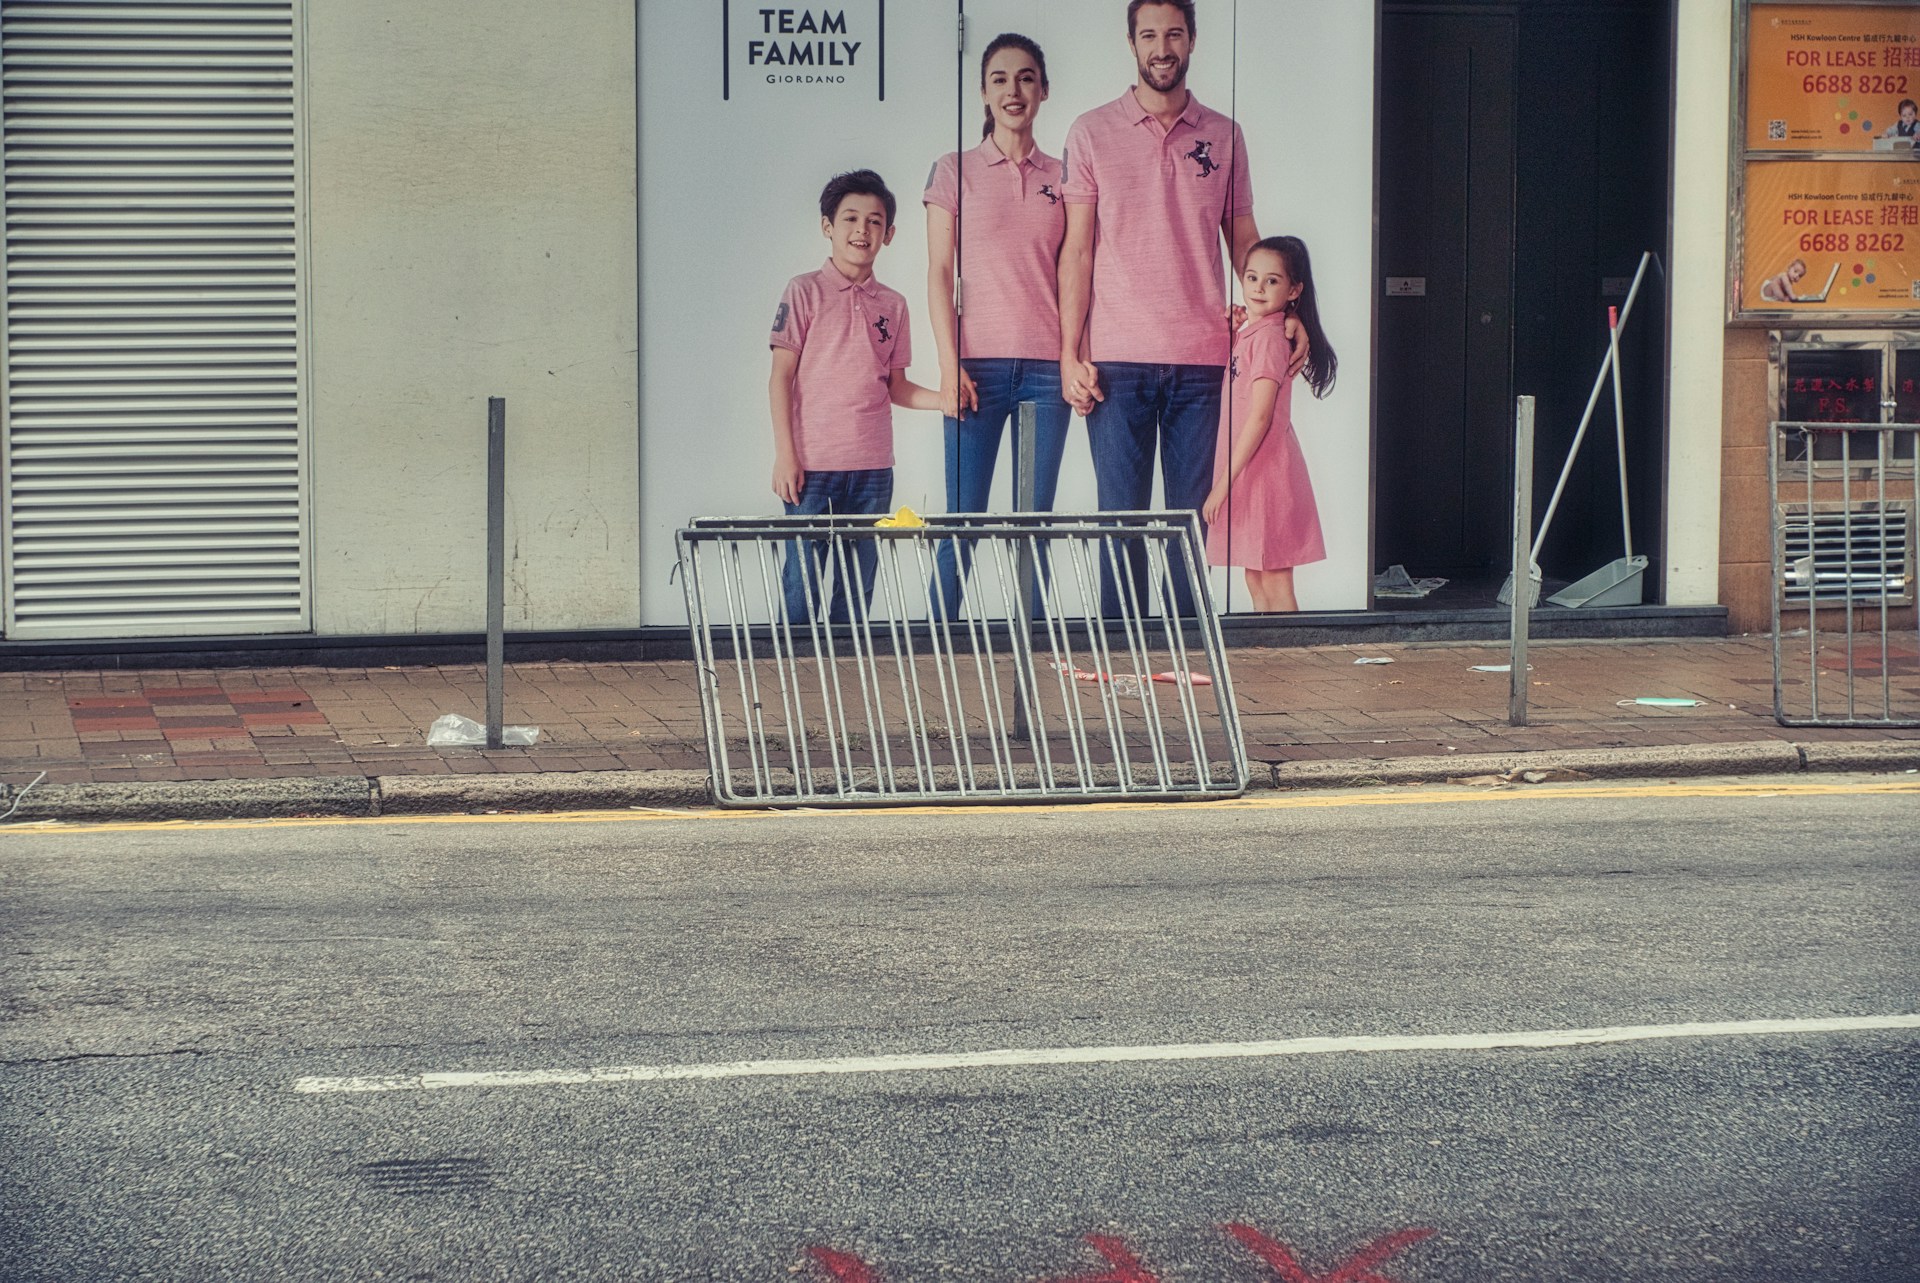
(1621, 582)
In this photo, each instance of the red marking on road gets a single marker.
(1356, 1269)
(1126, 1266)
(843, 1268)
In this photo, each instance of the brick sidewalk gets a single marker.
(1296, 704)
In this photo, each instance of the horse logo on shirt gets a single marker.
(1051, 195)
(1233, 366)
(881, 325)
(1202, 155)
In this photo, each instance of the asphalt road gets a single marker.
(169, 989)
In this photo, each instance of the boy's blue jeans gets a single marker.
(973, 449)
(853, 491)
(1179, 405)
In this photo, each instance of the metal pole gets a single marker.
(1522, 555)
(496, 565)
(1025, 450)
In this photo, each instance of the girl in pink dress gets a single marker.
(1260, 513)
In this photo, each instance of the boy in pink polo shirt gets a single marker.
(841, 348)
(1143, 305)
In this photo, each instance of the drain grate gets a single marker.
(429, 1175)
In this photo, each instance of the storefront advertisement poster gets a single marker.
(1831, 236)
(1830, 77)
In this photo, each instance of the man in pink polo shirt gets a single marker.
(1144, 337)
(841, 348)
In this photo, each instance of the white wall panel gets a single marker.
(472, 170)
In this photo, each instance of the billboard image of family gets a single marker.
(1107, 263)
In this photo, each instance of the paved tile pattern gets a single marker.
(1296, 704)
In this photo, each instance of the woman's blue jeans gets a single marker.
(973, 447)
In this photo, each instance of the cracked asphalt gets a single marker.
(167, 986)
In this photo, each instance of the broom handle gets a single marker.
(1620, 430)
(1586, 417)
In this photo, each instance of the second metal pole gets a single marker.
(496, 566)
(1025, 449)
(1522, 557)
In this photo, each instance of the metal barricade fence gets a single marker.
(977, 658)
(1846, 641)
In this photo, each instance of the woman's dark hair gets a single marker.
(1009, 40)
(857, 182)
(1322, 364)
(1184, 6)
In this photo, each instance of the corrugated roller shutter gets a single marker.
(154, 447)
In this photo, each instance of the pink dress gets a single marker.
(1270, 521)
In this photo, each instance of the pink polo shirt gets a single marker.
(1011, 222)
(1159, 273)
(851, 338)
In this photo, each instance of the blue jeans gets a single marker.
(860, 490)
(1177, 407)
(973, 448)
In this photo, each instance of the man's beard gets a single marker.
(1178, 77)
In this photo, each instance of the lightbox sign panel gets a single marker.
(1833, 78)
(1832, 236)
(781, 49)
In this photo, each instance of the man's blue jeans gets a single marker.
(973, 448)
(863, 490)
(1177, 407)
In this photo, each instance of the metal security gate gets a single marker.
(966, 659)
(153, 460)
(1846, 642)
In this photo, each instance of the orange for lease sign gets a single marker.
(1831, 236)
(1833, 77)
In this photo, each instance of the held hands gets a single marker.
(788, 478)
(1236, 318)
(958, 394)
(1080, 386)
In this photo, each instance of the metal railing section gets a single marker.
(1846, 642)
(982, 658)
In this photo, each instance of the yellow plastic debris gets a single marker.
(905, 519)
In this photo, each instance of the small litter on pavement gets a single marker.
(1495, 668)
(1520, 775)
(1661, 701)
(455, 731)
(1373, 659)
(1394, 581)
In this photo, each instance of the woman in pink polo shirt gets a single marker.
(995, 218)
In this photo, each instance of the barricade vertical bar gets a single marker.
(496, 567)
(1024, 456)
(1517, 685)
(1777, 525)
(1846, 535)
(1090, 584)
(1882, 459)
(1813, 585)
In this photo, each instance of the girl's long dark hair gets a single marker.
(1322, 364)
(1008, 40)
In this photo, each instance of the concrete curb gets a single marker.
(1763, 757)
(355, 795)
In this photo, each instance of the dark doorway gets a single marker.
(1446, 315)
(1523, 168)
